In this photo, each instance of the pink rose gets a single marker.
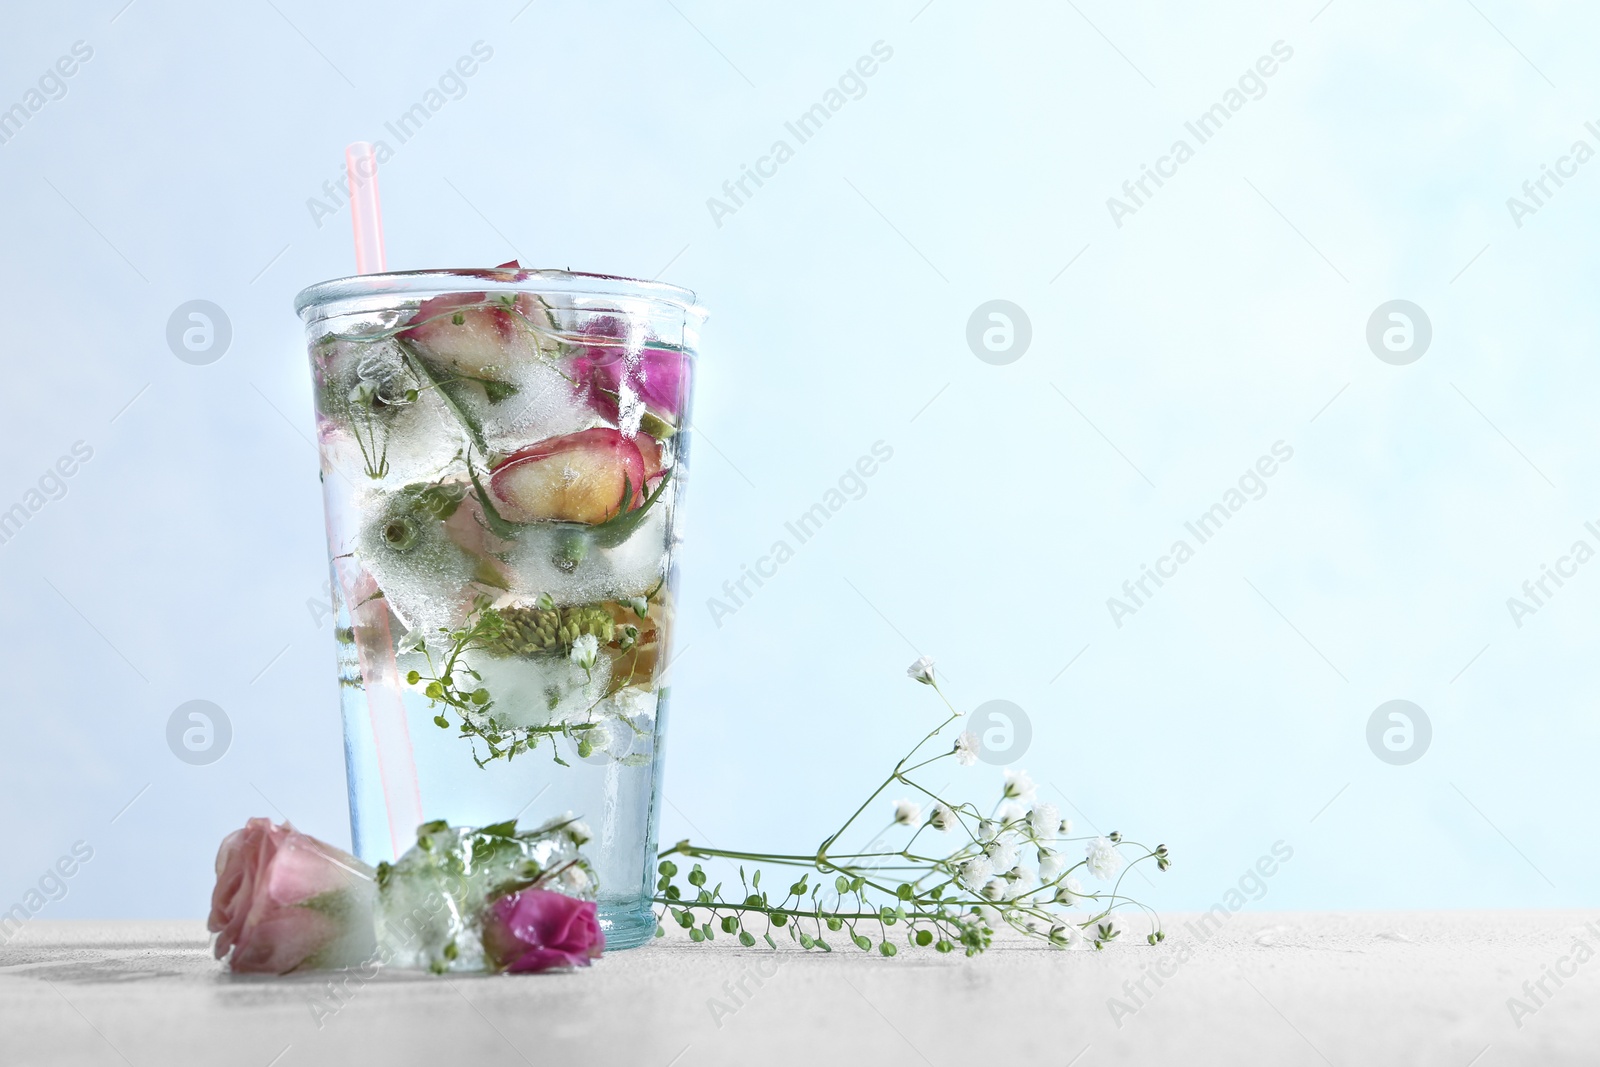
(657, 376)
(538, 929)
(287, 902)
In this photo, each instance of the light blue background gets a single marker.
(1225, 315)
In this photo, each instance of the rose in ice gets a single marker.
(620, 380)
(539, 930)
(286, 902)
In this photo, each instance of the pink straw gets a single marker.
(369, 612)
(362, 167)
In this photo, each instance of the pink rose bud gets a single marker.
(539, 929)
(287, 902)
(656, 376)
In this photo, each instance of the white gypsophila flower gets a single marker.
(1045, 820)
(966, 749)
(1065, 829)
(1104, 861)
(907, 812)
(640, 606)
(988, 829)
(994, 889)
(579, 831)
(922, 670)
(586, 651)
(975, 872)
(1019, 786)
(1051, 864)
(575, 879)
(943, 818)
(1002, 853)
(989, 914)
(1010, 812)
(1070, 892)
(1019, 883)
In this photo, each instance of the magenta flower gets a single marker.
(539, 929)
(657, 376)
(285, 902)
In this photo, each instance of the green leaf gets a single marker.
(497, 391)
(696, 935)
(924, 938)
(746, 938)
(770, 942)
(904, 891)
(834, 922)
(887, 915)
(755, 880)
(452, 390)
(887, 949)
(498, 526)
(668, 868)
(841, 884)
(863, 942)
(730, 924)
(780, 919)
(501, 829)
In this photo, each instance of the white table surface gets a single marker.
(1329, 988)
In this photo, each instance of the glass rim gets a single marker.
(496, 279)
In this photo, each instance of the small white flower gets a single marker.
(413, 641)
(988, 829)
(921, 671)
(943, 818)
(994, 889)
(586, 651)
(1051, 864)
(967, 748)
(1019, 883)
(1019, 786)
(579, 831)
(1002, 853)
(1104, 859)
(907, 813)
(989, 914)
(975, 872)
(1065, 830)
(1010, 812)
(575, 879)
(1070, 892)
(1045, 820)
(640, 606)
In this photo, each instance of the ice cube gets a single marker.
(543, 689)
(540, 560)
(428, 579)
(432, 899)
(545, 404)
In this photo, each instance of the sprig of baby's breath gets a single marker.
(451, 685)
(945, 900)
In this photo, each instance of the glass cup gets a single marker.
(503, 455)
